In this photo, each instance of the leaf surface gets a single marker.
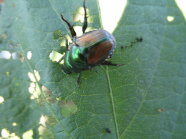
(145, 98)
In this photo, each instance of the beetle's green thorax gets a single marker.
(74, 59)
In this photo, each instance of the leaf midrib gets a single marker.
(112, 102)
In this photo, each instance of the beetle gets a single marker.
(89, 50)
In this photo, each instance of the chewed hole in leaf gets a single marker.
(34, 88)
(79, 15)
(63, 40)
(34, 77)
(78, 30)
(28, 134)
(43, 120)
(5, 133)
(5, 55)
(45, 132)
(170, 18)
(14, 124)
(14, 55)
(41, 129)
(56, 57)
(2, 99)
(90, 29)
(29, 55)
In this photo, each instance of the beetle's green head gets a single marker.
(75, 59)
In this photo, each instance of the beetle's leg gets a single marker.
(79, 79)
(74, 40)
(108, 63)
(66, 43)
(61, 59)
(85, 23)
(72, 31)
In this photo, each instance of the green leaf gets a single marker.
(68, 108)
(145, 98)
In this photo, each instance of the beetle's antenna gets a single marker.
(66, 43)
(72, 31)
(85, 23)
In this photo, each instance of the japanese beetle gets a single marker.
(91, 49)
